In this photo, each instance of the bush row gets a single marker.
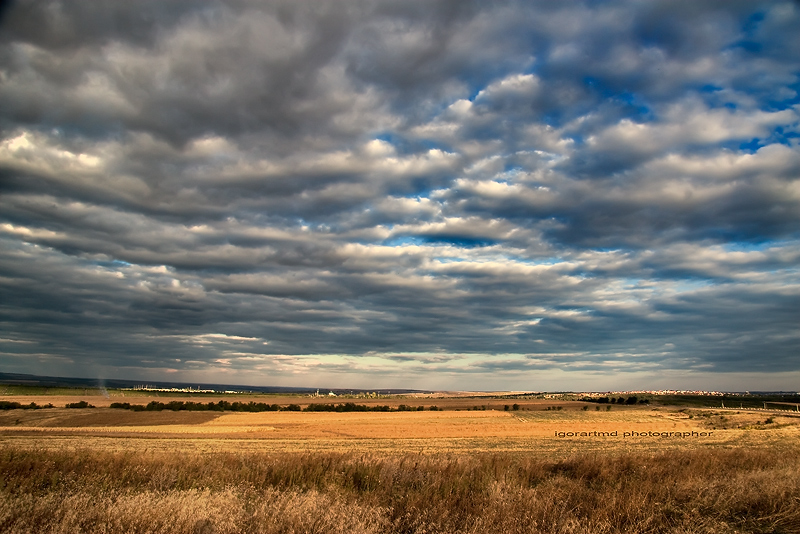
(226, 406)
(8, 405)
(621, 400)
(176, 406)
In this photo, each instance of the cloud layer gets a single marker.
(437, 194)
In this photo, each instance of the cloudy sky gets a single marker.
(425, 194)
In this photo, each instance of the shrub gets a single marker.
(79, 405)
(11, 405)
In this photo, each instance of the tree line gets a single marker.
(225, 406)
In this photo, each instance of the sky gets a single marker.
(439, 194)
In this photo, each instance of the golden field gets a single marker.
(548, 467)
(539, 425)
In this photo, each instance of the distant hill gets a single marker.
(70, 382)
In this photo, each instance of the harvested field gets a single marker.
(568, 429)
(627, 469)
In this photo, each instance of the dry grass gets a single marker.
(678, 491)
(187, 511)
(104, 470)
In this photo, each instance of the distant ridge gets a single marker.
(19, 379)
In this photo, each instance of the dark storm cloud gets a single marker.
(481, 195)
(178, 71)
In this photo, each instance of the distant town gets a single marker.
(166, 387)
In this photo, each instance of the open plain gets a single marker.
(459, 424)
(475, 464)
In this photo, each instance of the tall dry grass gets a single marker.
(717, 491)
